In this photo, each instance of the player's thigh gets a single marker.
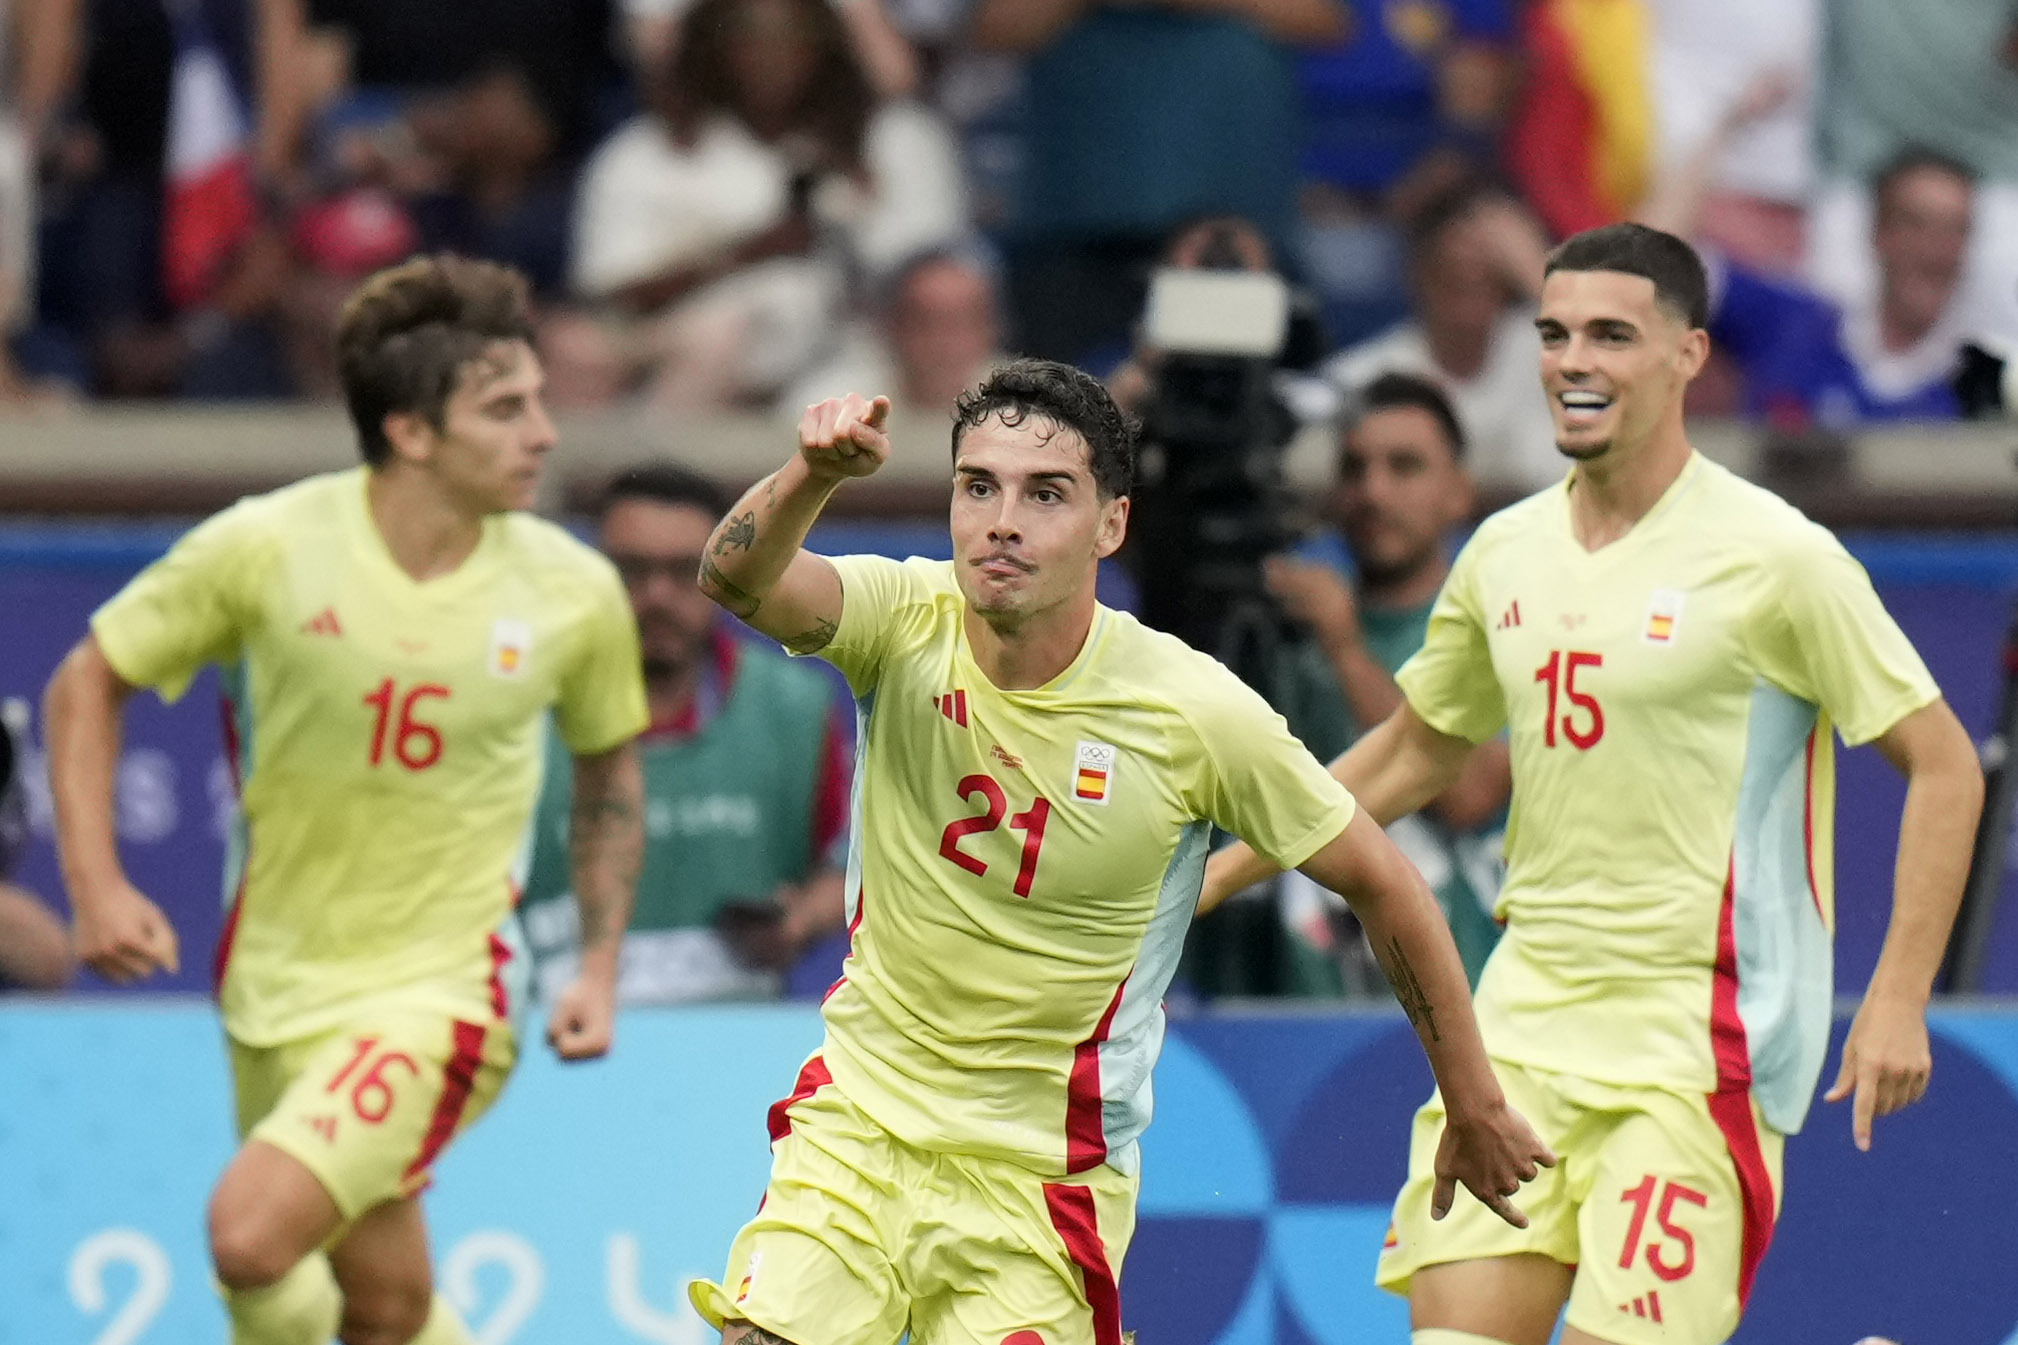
(1681, 1201)
(369, 1108)
(1470, 1232)
(1512, 1299)
(266, 1213)
(997, 1254)
(381, 1265)
(814, 1266)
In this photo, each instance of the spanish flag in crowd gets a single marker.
(1581, 144)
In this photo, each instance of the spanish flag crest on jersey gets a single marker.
(1093, 781)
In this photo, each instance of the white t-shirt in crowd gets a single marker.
(1706, 53)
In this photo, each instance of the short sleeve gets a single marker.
(1828, 640)
(875, 593)
(602, 694)
(1261, 784)
(1450, 682)
(192, 607)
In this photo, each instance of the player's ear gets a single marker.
(1113, 527)
(410, 434)
(1695, 352)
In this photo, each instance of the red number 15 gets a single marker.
(1560, 672)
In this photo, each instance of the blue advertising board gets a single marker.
(576, 1211)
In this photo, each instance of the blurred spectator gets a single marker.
(653, 30)
(1402, 494)
(1942, 74)
(34, 945)
(160, 258)
(1807, 361)
(1142, 116)
(1475, 271)
(939, 332)
(719, 229)
(746, 779)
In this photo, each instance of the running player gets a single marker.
(393, 638)
(1038, 780)
(1672, 651)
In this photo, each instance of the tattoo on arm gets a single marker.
(743, 604)
(1409, 992)
(811, 641)
(606, 838)
(738, 534)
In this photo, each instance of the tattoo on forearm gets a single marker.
(811, 641)
(742, 603)
(738, 534)
(606, 837)
(1409, 992)
(753, 1334)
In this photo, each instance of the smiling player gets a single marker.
(1671, 651)
(393, 638)
(1039, 779)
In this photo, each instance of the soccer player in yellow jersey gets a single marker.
(393, 639)
(1671, 652)
(1038, 780)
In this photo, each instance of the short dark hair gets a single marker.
(1913, 159)
(1070, 399)
(405, 335)
(1680, 284)
(1395, 391)
(663, 483)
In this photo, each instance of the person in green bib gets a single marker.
(1403, 489)
(747, 768)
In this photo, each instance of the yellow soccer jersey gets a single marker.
(1669, 699)
(1024, 865)
(388, 735)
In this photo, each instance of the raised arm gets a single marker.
(756, 564)
(1886, 1058)
(1486, 1145)
(606, 841)
(1395, 769)
(119, 933)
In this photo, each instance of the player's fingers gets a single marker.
(1548, 1157)
(809, 424)
(167, 950)
(1861, 1111)
(1507, 1210)
(1846, 1078)
(1441, 1198)
(878, 413)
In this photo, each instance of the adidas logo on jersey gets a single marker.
(323, 623)
(953, 705)
(1648, 1307)
(1511, 617)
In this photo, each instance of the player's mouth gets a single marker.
(1582, 407)
(1002, 565)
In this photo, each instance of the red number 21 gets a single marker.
(1560, 672)
(1030, 823)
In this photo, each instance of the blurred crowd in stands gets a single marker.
(748, 203)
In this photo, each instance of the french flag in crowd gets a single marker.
(210, 206)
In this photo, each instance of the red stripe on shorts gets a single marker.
(813, 1076)
(458, 1078)
(1078, 1224)
(1732, 1109)
(1085, 1134)
(500, 953)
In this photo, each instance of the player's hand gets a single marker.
(1491, 1154)
(1315, 595)
(843, 436)
(1886, 1063)
(123, 936)
(584, 1019)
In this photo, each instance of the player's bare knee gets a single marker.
(386, 1314)
(243, 1250)
(749, 1333)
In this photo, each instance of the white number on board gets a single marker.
(525, 1282)
(681, 1326)
(151, 1280)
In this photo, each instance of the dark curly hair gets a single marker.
(1070, 399)
(834, 111)
(405, 335)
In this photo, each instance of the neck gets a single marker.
(1405, 592)
(426, 532)
(1030, 653)
(1899, 330)
(1608, 498)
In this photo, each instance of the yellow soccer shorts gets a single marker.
(861, 1237)
(369, 1107)
(1662, 1202)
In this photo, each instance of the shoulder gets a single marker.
(1396, 350)
(561, 561)
(1524, 518)
(637, 139)
(1160, 671)
(302, 512)
(1762, 521)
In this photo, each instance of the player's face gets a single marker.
(495, 432)
(1614, 361)
(1401, 490)
(1921, 238)
(1029, 526)
(657, 548)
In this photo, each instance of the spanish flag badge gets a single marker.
(1093, 781)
